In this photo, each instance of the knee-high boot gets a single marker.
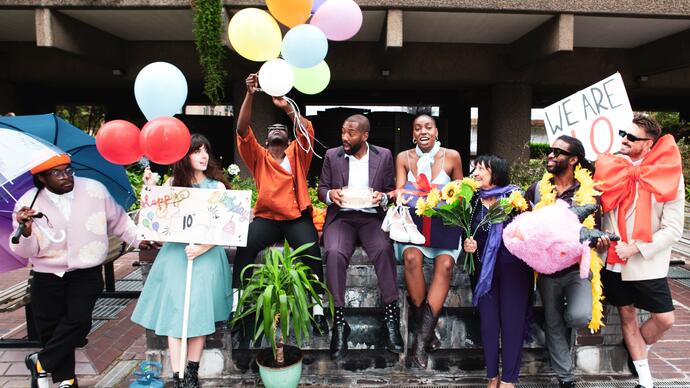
(425, 331)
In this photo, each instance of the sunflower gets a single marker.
(433, 198)
(451, 192)
(421, 207)
(471, 182)
(517, 201)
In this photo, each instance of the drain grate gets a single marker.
(678, 273)
(108, 308)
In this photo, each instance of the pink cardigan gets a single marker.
(94, 216)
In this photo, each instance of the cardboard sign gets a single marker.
(200, 216)
(593, 115)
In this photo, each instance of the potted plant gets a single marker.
(279, 295)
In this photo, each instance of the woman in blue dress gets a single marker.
(440, 166)
(160, 306)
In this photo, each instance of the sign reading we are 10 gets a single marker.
(190, 215)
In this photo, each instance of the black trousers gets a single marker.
(62, 308)
(264, 232)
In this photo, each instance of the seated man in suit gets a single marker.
(361, 167)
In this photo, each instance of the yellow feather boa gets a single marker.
(583, 196)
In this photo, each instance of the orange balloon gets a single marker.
(290, 12)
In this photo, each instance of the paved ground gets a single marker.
(115, 348)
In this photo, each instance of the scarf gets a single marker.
(659, 175)
(493, 242)
(426, 159)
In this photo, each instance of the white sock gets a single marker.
(318, 310)
(642, 367)
(235, 299)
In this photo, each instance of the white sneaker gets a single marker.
(386, 225)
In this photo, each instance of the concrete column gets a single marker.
(509, 125)
(264, 113)
(459, 122)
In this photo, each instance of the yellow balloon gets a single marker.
(255, 35)
(290, 12)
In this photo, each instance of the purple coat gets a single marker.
(336, 169)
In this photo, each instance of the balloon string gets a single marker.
(298, 125)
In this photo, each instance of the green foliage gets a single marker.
(314, 197)
(671, 122)
(135, 174)
(88, 118)
(208, 27)
(280, 294)
(684, 147)
(239, 183)
(525, 172)
(538, 150)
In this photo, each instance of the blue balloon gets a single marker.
(160, 90)
(304, 46)
(316, 5)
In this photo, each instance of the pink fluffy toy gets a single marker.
(552, 238)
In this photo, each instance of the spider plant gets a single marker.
(280, 294)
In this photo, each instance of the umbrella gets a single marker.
(86, 160)
(19, 153)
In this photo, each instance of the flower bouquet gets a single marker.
(453, 206)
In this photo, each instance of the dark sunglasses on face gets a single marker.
(631, 137)
(558, 152)
(68, 172)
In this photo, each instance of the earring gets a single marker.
(414, 141)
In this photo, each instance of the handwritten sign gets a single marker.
(594, 115)
(200, 216)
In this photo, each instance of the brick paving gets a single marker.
(119, 340)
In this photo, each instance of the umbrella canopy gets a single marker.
(19, 153)
(86, 160)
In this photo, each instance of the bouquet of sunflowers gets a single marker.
(453, 206)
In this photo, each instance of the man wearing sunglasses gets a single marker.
(649, 218)
(567, 298)
(66, 248)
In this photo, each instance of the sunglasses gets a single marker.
(631, 137)
(68, 172)
(558, 152)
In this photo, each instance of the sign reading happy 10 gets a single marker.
(593, 115)
(200, 216)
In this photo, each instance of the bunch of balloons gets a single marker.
(297, 59)
(160, 90)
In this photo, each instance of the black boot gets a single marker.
(177, 383)
(423, 336)
(391, 327)
(191, 375)
(416, 313)
(341, 332)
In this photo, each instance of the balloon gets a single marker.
(313, 80)
(160, 90)
(338, 19)
(316, 5)
(276, 77)
(118, 142)
(165, 140)
(304, 46)
(255, 35)
(290, 12)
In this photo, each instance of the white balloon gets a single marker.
(276, 77)
(160, 90)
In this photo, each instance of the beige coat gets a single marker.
(667, 227)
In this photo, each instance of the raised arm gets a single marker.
(245, 116)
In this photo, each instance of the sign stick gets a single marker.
(185, 317)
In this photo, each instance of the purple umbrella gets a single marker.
(19, 153)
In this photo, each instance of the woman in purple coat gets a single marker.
(502, 290)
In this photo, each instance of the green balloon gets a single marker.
(312, 80)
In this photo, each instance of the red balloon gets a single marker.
(165, 140)
(118, 142)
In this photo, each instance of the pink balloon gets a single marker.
(165, 140)
(118, 142)
(338, 19)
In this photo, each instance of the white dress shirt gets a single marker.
(358, 178)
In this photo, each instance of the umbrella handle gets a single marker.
(18, 233)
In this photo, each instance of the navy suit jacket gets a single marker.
(336, 171)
